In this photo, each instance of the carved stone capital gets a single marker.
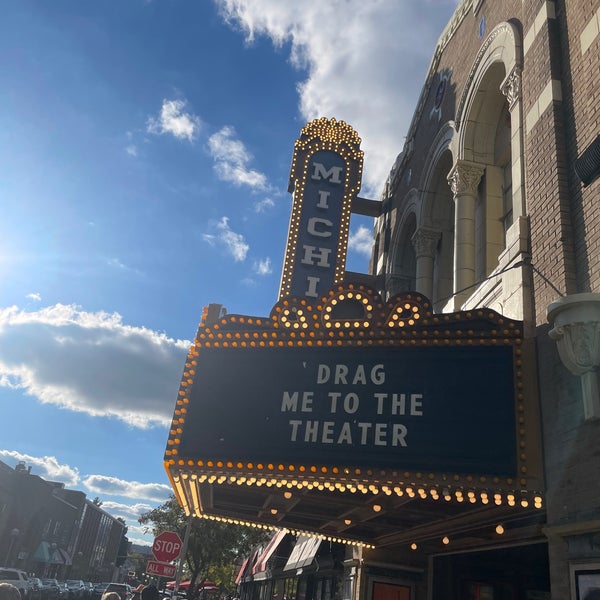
(511, 86)
(576, 330)
(425, 241)
(578, 345)
(464, 178)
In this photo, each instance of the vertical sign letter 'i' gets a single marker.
(324, 180)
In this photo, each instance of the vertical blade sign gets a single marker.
(325, 179)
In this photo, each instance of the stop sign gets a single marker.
(166, 546)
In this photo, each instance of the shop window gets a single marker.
(490, 591)
(388, 591)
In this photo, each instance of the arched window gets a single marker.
(405, 263)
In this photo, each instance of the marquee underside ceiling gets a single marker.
(399, 521)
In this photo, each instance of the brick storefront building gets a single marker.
(51, 531)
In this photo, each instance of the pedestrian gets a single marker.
(150, 592)
(9, 592)
(137, 593)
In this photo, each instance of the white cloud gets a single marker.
(131, 150)
(173, 120)
(263, 267)
(112, 486)
(232, 160)
(121, 266)
(46, 467)
(91, 362)
(263, 205)
(134, 540)
(34, 296)
(234, 243)
(361, 241)
(129, 512)
(365, 62)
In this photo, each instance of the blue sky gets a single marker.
(145, 149)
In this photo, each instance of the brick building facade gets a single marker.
(52, 531)
(485, 207)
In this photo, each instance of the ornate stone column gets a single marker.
(511, 88)
(425, 242)
(576, 321)
(464, 179)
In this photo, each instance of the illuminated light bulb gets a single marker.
(376, 507)
(273, 511)
(287, 495)
(499, 529)
(413, 546)
(445, 540)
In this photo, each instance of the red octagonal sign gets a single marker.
(166, 546)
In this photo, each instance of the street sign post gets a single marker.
(167, 546)
(160, 569)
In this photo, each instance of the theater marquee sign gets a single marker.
(338, 389)
(419, 408)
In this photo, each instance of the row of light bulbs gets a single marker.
(446, 540)
(434, 493)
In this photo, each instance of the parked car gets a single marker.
(50, 589)
(76, 589)
(122, 589)
(18, 578)
(35, 588)
(99, 589)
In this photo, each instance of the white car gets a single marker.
(18, 578)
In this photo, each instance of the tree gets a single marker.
(212, 547)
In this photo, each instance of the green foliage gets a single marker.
(212, 547)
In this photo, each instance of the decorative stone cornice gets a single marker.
(511, 86)
(464, 178)
(425, 241)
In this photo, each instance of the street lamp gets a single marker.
(14, 534)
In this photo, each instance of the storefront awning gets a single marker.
(303, 553)
(240, 574)
(261, 563)
(246, 570)
(61, 557)
(43, 553)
